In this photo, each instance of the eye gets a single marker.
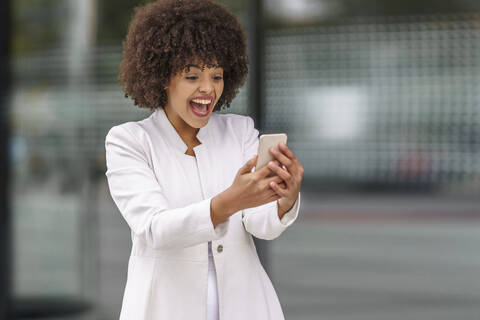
(191, 78)
(218, 78)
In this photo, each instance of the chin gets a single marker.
(199, 123)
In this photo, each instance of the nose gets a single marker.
(206, 86)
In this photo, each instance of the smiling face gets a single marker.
(192, 95)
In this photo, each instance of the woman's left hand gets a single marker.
(291, 173)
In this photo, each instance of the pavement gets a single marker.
(347, 257)
(351, 257)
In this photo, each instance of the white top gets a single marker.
(212, 294)
(171, 225)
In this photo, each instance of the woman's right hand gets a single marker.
(251, 189)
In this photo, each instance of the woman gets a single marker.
(182, 178)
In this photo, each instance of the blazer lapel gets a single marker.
(204, 152)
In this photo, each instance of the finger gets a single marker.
(274, 197)
(248, 166)
(262, 172)
(289, 153)
(286, 150)
(282, 158)
(282, 173)
(265, 171)
(275, 178)
(278, 190)
(295, 167)
(281, 184)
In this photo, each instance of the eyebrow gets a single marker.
(188, 66)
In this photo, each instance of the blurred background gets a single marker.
(380, 100)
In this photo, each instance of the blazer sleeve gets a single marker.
(263, 221)
(139, 197)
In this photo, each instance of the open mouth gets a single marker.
(201, 107)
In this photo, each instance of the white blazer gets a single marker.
(168, 265)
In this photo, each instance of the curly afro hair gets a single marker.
(166, 35)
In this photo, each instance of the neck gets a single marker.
(184, 130)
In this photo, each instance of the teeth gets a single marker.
(202, 101)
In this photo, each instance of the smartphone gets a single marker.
(266, 141)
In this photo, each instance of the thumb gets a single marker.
(247, 167)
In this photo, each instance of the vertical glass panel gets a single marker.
(69, 238)
(53, 159)
(379, 101)
(383, 113)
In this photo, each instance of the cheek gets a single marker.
(219, 89)
(183, 92)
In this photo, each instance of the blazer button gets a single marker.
(220, 248)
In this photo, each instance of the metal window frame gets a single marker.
(5, 217)
(256, 88)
